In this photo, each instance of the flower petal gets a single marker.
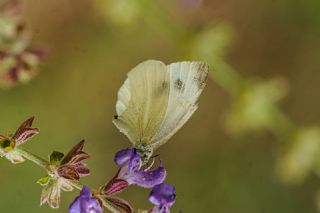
(85, 191)
(90, 205)
(149, 178)
(124, 156)
(75, 206)
(85, 203)
(160, 209)
(163, 194)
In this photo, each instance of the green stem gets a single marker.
(44, 164)
(34, 158)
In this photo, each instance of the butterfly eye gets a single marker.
(115, 117)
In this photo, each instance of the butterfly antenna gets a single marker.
(154, 156)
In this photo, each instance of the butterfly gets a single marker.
(156, 100)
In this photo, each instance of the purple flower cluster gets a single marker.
(131, 172)
(64, 173)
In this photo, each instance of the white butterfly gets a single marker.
(156, 100)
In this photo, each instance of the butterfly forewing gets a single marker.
(142, 102)
(187, 80)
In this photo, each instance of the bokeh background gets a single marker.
(252, 147)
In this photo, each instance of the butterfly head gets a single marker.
(145, 152)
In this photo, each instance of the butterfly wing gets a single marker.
(187, 80)
(142, 102)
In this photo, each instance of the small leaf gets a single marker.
(44, 181)
(56, 157)
(118, 205)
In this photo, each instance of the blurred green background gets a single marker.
(92, 44)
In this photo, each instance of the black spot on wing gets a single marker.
(178, 84)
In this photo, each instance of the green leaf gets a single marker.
(44, 180)
(56, 157)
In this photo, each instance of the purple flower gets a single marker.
(85, 203)
(131, 172)
(131, 169)
(163, 197)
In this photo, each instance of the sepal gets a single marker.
(56, 157)
(10, 142)
(44, 180)
(52, 190)
(14, 157)
(115, 204)
(114, 186)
